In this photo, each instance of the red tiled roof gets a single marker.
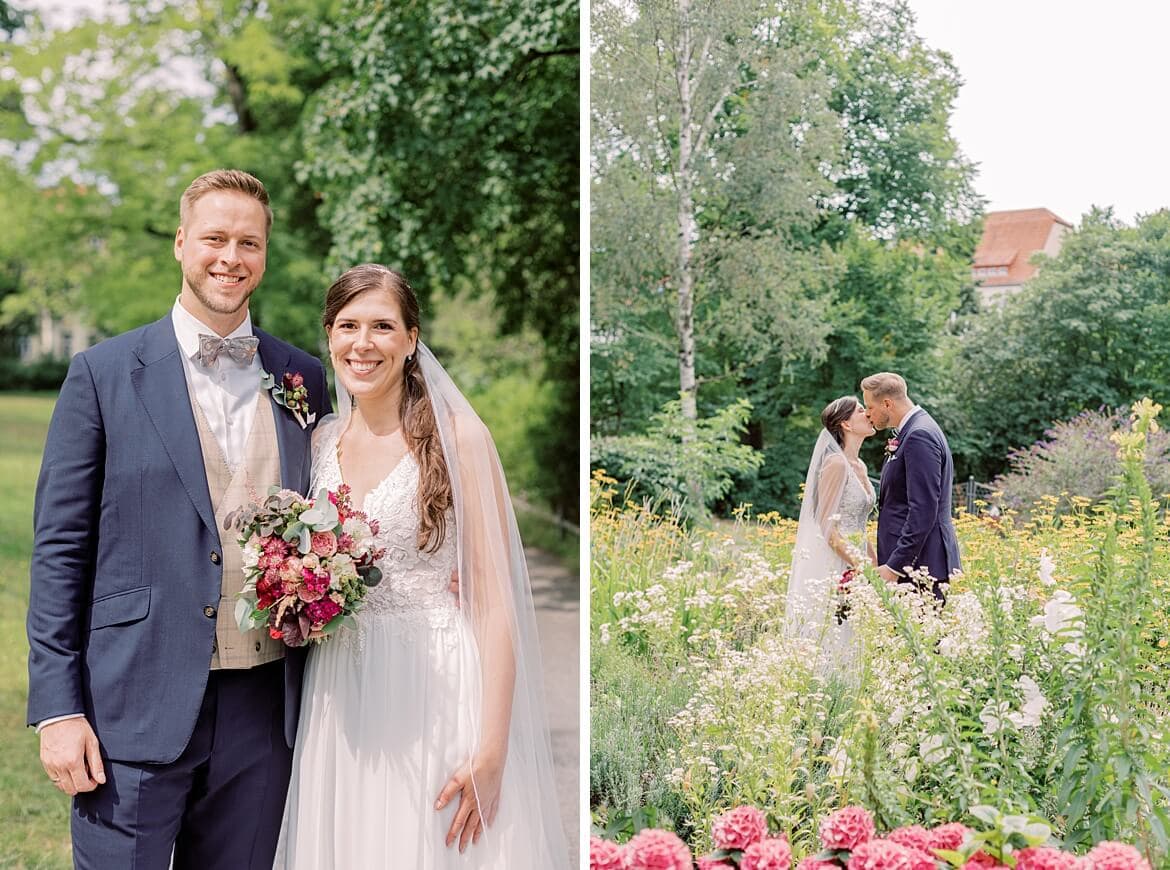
(1009, 240)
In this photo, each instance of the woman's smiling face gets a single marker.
(369, 343)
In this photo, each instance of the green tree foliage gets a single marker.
(445, 142)
(707, 138)
(437, 137)
(126, 112)
(869, 280)
(1090, 329)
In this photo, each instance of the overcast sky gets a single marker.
(1064, 103)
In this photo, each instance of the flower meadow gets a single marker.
(1039, 690)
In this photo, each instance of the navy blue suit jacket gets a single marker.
(914, 503)
(126, 553)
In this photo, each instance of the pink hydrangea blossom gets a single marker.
(814, 863)
(879, 854)
(604, 855)
(655, 849)
(738, 828)
(982, 859)
(770, 853)
(948, 836)
(1109, 855)
(707, 862)
(913, 837)
(1047, 858)
(847, 828)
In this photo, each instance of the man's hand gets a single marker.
(71, 756)
(454, 585)
(888, 574)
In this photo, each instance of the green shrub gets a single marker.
(662, 461)
(46, 373)
(1077, 458)
(630, 743)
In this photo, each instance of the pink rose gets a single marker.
(604, 855)
(949, 836)
(324, 544)
(847, 828)
(1047, 858)
(1109, 855)
(812, 863)
(886, 855)
(770, 853)
(738, 828)
(655, 849)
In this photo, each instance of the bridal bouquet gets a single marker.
(307, 563)
(843, 594)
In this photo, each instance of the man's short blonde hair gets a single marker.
(885, 385)
(224, 179)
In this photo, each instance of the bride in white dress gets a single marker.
(831, 535)
(422, 739)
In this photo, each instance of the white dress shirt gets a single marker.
(226, 391)
(906, 419)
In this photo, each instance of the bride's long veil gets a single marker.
(496, 597)
(815, 566)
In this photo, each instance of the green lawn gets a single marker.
(34, 816)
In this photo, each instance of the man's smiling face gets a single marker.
(223, 250)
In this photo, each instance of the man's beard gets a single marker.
(197, 282)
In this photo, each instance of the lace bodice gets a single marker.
(415, 584)
(856, 504)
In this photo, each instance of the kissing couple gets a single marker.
(916, 542)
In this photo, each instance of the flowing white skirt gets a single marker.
(388, 715)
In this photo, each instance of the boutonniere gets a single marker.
(290, 393)
(892, 448)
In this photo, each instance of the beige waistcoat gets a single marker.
(250, 482)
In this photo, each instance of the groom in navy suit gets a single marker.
(170, 728)
(915, 532)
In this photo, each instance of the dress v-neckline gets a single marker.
(361, 505)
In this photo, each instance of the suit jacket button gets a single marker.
(214, 557)
(209, 612)
(257, 646)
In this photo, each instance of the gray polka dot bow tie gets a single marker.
(241, 348)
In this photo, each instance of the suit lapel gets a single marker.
(905, 431)
(290, 437)
(161, 385)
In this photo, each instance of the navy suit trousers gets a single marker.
(217, 807)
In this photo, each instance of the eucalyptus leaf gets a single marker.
(243, 614)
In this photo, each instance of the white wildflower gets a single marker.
(1047, 567)
(1034, 704)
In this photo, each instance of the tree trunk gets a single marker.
(685, 322)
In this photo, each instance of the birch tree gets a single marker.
(710, 141)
